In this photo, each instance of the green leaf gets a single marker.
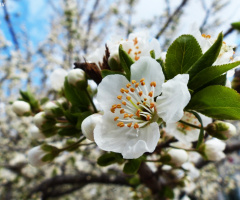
(114, 64)
(109, 158)
(81, 117)
(106, 72)
(208, 58)
(152, 54)
(210, 73)
(125, 61)
(69, 131)
(168, 192)
(181, 55)
(217, 101)
(236, 25)
(201, 135)
(132, 166)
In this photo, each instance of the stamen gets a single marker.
(133, 81)
(144, 103)
(138, 113)
(129, 51)
(224, 42)
(129, 125)
(135, 41)
(136, 125)
(126, 115)
(124, 103)
(132, 89)
(145, 99)
(122, 111)
(138, 103)
(140, 93)
(119, 97)
(113, 110)
(122, 90)
(131, 115)
(136, 58)
(148, 117)
(153, 83)
(118, 105)
(136, 53)
(142, 79)
(128, 85)
(139, 52)
(136, 85)
(204, 35)
(208, 36)
(137, 47)
(127, 91)
(152, 104)
(116, 118)
(150, 94)
(142, 83)
(120, 124)
(128, 98)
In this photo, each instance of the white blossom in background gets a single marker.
(35, 156)
(57, 78)
(192, 171)
(21, 108)
(89, 124)
(131, 115)
(178, 156)
(213, 149)
(49, 107)
(36, 133)
(185, 133)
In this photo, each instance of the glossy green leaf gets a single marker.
(181, 55)
(210, 73)
(236, 25)
(217, 101)
(109, 158)
(132, 166)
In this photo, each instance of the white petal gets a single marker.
(109, 89)
(57, 79)
(126, 140)
(155, 45)
(150, 69)
(175, 96)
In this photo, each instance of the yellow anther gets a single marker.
(145, 99)
(114, 106)
(153, 83)
(122, 111)
(132, 89)
(113, 110)
(129, 51)
(138, 103)
(136, 125)
(128, 98)
(152, 104)
(126, 91)
(122, 90)
(208, 36)
(124, 103)
(126, 115)
(116, 118)
(119, 97)
(136, 85)
(140, 93)
(224, 42)
(137, 47)
(128, 85)
(142, 83)
(139, 52)
(135, 53)
(131, 115)
(133, 81)
(135, 41)
(142, 79)
(231, 58)
(120, 124)
(234, 52)
(150, 94)
(138, 113)
(118, 105)
(136, 58)
(148, 117)
(144, 103)
(129, 125)
(204, 35)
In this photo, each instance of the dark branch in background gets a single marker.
(10, 27)
(89, 25)
(56, 186)
(170, 19)
(230, 30)
(129, 27)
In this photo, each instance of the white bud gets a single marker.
(49, 107)
(39, 119)
(57, 79)
(21, 107)
(35, 156)
(178, 156)
(89, 124)
(36, 133)
(213, 149)
(75, 76)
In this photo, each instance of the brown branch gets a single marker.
(230, 30)
(170, 19)
(10, 27)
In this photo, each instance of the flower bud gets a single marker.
(76, 76)
(49, 107)
(43, 122)
(178, 156)
(21, 108)
(57, 79)
(221, 130)
(89, 124)
(213, 149)
(35, 156)
(36, 133)
(39, 119)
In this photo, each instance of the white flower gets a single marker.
(36, 133)
(57, 78)
(89, 124)
(49, 107)
(130, 117)
(178, 156)
(206, 41)
(193, 172)
(185, 133)
(213, 149)
(35, 156)
(75, 75)
(21, 107)
(39, 119)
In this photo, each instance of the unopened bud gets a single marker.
(221, 130)
(76, 76)
(36, 133)
(89, 124)
(35, 156)
(21, 108)
(39, 119)
(178, 156)
(57, 79)
(52, 109)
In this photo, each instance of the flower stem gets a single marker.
(188, 124)
(73, 145)
(89, 97)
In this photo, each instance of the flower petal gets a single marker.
(175, 96)
(127, 141)
(150, 69)
(109, 89)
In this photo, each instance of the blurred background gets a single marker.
(37, 37)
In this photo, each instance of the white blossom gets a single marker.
(49, 107)
(39, 119)
(213, 149)
(57, 78)
(21, 107)
(75, 75)
(35, 156)
(178, 156)
(131, 115)
(36, 133)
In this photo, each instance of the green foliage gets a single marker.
(210, 73)
(109, 158)
(125, 61)
(167, 192)
(218, 102)
(152, 54)
(181, 55)
(236, 25)
(69, 131)
(207, 59)
(29, 98)
(114, 64)
(132, 166)
(106, 72)
(81, 117)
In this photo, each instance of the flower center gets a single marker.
(136, 107)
